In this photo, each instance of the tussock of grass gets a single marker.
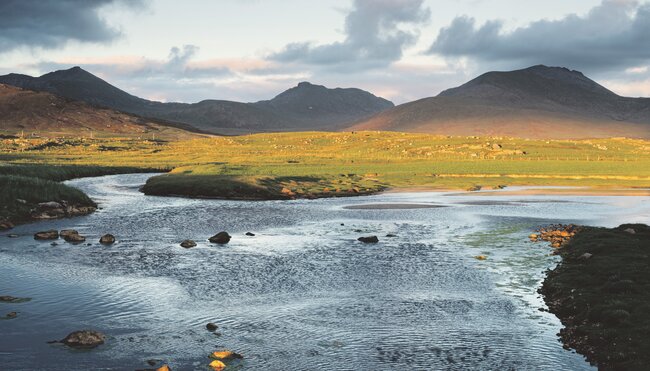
(604, 301)
(33, 191)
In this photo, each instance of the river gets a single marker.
(302, 294)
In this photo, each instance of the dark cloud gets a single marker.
(613, 35)
(373, 36)
(51, 23)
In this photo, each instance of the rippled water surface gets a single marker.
(302, 294)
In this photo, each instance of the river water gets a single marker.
(302, 294)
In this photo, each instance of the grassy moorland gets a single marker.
(601, 293)
(317, 164)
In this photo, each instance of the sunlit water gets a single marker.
(302, 294)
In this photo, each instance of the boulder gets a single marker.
(188, 244)
(225, 355)
(50, 205)
(211, 326)
(67, 232)
(47, 235)
(220, 238)
(107, 239)
(84, 339)
(74, 238)
(369, 239)
(5, 224)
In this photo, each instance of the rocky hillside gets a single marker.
(27, 112)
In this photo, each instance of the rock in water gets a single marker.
(11, 315)
(67, 232)
(72, 236)
(250, 234)
(225, 355)
(5, 224)
(84, 339)
(47, 235)
(188, 244)
(370, 239)
(211, 326)
(221, 238)
(107, 239)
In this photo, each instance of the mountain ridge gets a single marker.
(287, 111)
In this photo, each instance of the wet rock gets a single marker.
(47, 235)
(390, 235)
(220, 238)
(8, 299)
(12, 235)
(107, 239)
(164, 368)
(557, 235)
(480, 257)
(250, 234)
(188, 244)
(73, 237)
(533, 237)
(84, 339)
(54, 244)
(369, 239)
(152, 362)
(217, 365)
(211, 326)
(5, 224)
(585, 256)
(11, 315)
(225, 355)
(67, 232)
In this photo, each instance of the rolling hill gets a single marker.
(29, 113)
(536, 102)
(304, 107)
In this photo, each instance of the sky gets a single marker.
(250, 50)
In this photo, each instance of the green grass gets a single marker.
(604, 301)
(316, 164)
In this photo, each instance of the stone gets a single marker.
(67, 232)
(211, 326)
(390, 235)
(630, 231)
(533, 237)
(84, 339)
(188, 244)
(11, 315)
(107, 239)
(74, 237)
(585, 256)
(50, 205)
(225, 355)
(217, 365)
(5, 224)
(369, 239)
(47, 235)
(220, 238)
(12, 235)
(480, 257)
(250, 234)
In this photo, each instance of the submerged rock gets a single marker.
(369, 239)
(188, 244)
(250, 234)
(221, 238)
(84, 339)
(224, 355)
(11, 315)
(107, 239)
(47, 235)
(12, 235)
(480, 257)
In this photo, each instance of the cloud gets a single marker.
(374, 37)
(52, 23)
(613, 35)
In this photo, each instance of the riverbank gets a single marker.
(601, 293)
(33, 192)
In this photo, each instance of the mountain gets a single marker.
(536, 102)
(44, 114)
(304, 107)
